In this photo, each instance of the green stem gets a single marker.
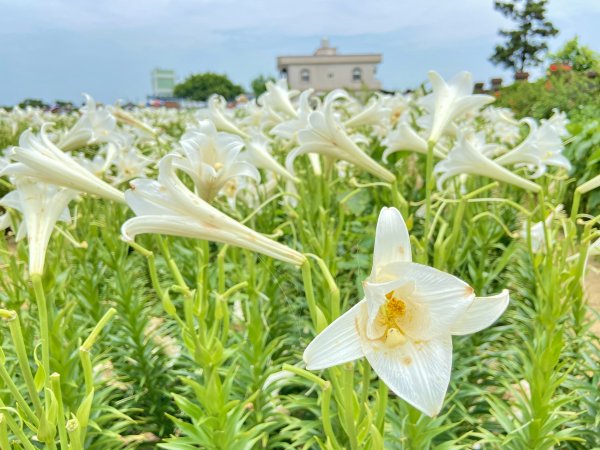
(62, 430)
(44, 324)
(87, 345)
(14, 391)
(309, 292)
(348, 410)
(3, 433)
(15, 428)
(334, 291)
(428, 189)
(172, 265)
(86, 364)
(14, 325)
(326, 416)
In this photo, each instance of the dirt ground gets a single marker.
(592, 289)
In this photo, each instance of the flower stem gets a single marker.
(428, 189)
(44, 324)
(62, 430)
(14, 325)
(310, 294)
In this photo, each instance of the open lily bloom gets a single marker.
(559, 122)
(42, 205)
(212, 159)
(128, 163)
(277, 97)
(39, 158)
(449, 102)
(398, 104)
(374, 112)
(96, 125)
(167, 206)
(405, 138)
(325, 135)
(289, 129)
(468, 157)
(502, 125)
(541, 148)
(258, 154)
(216, 113)
(404, 326)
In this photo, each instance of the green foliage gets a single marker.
(572, 92)
(584, 154)
(524, 45)
(193, 357)
(259, 84)
(33, 102)
(201, 86)
(580, 57)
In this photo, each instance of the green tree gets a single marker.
(202, 85)
(259, 84)
(34, 102)
(580, 57)
(525, 45)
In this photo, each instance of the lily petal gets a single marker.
(338, 343)
(482, 313)
(392, 243)
(419, 373)
(435, 304)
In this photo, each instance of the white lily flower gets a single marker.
(398, 105)
(325, 135)
(258, 155)
(538, 239)
(559, 122)
(375, 112)
(468, 157)
(502, 125)
(96, 125)
(212, 159)
(404, 326)
(127, 118)
(541, 148)
(289, 129)
(42, 205)
(405, 138)
(277, 97)
(449, 102)
(167, 206)
(39, 158)
(129, 163)
(216, 113)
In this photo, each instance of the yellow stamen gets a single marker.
(389, 313)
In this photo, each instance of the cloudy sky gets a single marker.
(56, 49)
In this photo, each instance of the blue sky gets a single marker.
(56, 49)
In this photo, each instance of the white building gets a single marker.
(163, 83)
(327, 70)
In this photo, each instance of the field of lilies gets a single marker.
(301, 272)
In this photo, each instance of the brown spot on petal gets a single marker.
(469, 290)
(407, 360)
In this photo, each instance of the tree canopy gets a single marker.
(202, 85)
(258, 85)
(580, 57)
(525, 45)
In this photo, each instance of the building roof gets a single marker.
(328, 55)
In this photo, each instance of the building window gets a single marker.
(356, 74)
(330, 74)
(305, 75)
(284, 73)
